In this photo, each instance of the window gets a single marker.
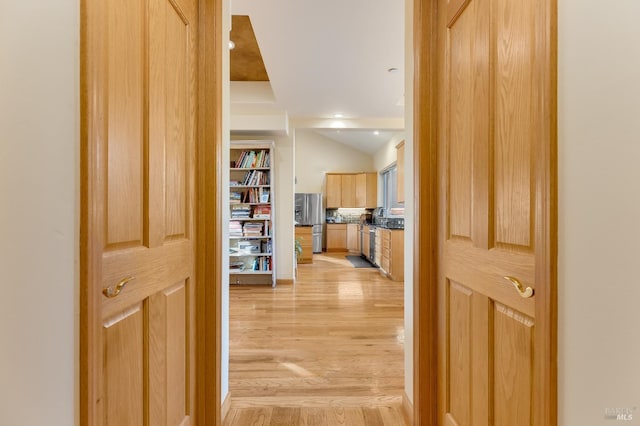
(390, 189)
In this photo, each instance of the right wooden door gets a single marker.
(493, 137)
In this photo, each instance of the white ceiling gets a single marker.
(360, 139)
(332, 56)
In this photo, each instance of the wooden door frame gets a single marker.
(425, 238)
(208, 221)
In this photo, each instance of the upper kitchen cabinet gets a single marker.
(350, 190)
(334, 191)
(367, 190)
(400, 171)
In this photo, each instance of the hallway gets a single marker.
(325, 351)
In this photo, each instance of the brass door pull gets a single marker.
(522, 291)
(111, 292)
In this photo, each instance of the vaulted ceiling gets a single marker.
(324, 58)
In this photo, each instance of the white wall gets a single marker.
(386, 156)
(39, 175)
(599, 211)
(317, 155)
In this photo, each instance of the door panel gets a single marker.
(513, 345)
(147, 347)
(461, 126)
(514, 130)
(124, 368)
(489, 118)
(124, 144)
(459, 346)
(177, 123)
(168, 353)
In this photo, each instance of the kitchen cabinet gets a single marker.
(348, 197)
(367, 190)
(353, 237)
(334, 191)
(304, 235)
(391, 253)
(400, 165)
(336, 237)
(351, 190)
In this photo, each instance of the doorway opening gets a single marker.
(288, 147)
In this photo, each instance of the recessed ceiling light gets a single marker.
(376, 133)
(392, 70)
(338, 115)
(232, 45)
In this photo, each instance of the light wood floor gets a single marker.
(325, 351)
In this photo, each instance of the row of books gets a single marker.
(240, 211)
(249, 229)
(250, 159)
(260, 263)
(252, 178)
(246, 211)
(262, 212)
(253, 195)
(252, 229)
(235, 228)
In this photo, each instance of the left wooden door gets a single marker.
(139, 109)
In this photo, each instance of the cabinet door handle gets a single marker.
(112, 292)
(522, 291)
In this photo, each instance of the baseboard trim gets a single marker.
(284, 282)
(407, 408)
(226, 406)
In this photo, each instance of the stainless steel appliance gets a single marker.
(372, 244)
(309, 211)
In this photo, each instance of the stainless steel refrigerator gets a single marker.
(309, 211)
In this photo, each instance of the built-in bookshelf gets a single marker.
(251, 213)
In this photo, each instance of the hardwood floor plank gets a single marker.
(372, 417)
(253, 417)
(285, 416)
(314, 416)
(329, 346)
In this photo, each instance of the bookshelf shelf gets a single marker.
(251, 205)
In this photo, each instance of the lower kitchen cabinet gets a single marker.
(304, 235)
(336, 237)
(353, 237)
(391, 258)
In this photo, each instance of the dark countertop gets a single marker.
(371, 225)
(303, 226)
